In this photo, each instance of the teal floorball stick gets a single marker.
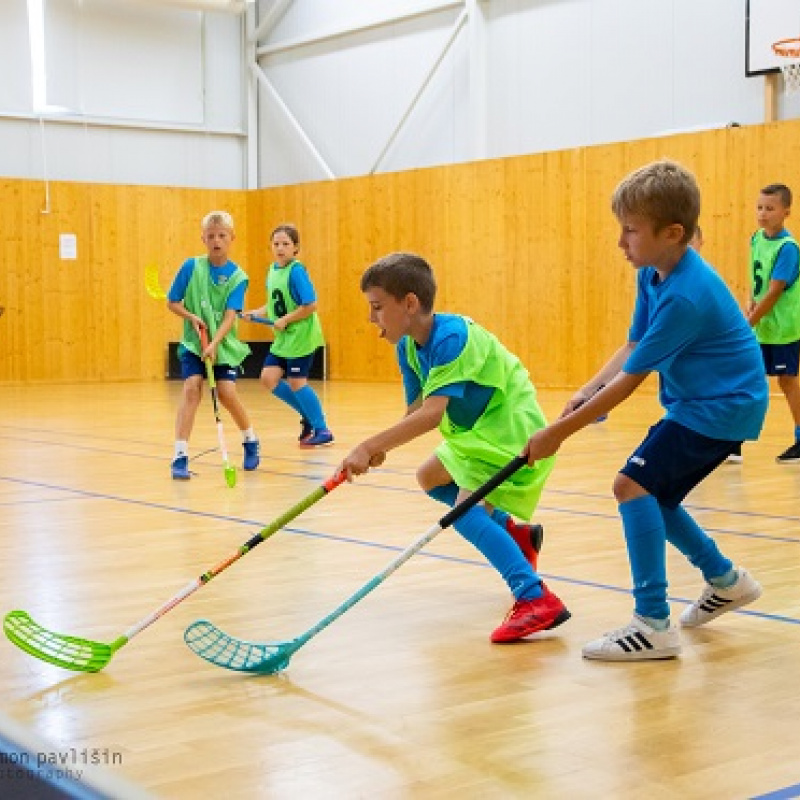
(265, 658)
(85, 655)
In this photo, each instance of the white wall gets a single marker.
(144, 94)
(159, 95)
(558, 74)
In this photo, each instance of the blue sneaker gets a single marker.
(251, 457)
(320, 438)
(180, 469)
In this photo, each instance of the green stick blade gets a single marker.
(230, 475)
(69, 652)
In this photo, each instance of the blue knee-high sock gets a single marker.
(701, 550)
(444, 494)
(500, 550)
(501, 518)
(284, 392)
(645, 537)
(309, 403)
(447, 494)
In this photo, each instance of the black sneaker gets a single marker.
(790, 456)
(306, 430)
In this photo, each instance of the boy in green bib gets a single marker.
(208, 292)
(774, 309)
(460, 378)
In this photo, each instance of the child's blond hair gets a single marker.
(217, 218)
(663, 192)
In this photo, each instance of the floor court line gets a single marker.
(380, 546)
(200, 459)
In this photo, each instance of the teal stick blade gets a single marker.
(222, 650)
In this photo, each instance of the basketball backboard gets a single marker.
(766, 22)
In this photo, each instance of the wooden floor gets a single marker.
(404, 696)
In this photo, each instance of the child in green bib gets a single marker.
(208, 292)
(292, 307)
(774, 309)
(460, 378)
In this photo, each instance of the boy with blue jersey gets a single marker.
(292, 307)
(459, 377)
(208, 292)
(774, 309)
(686, 327)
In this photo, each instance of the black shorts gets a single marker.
(299, 367)
(781, 359)
(673, 459)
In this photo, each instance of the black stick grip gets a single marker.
(465, 505)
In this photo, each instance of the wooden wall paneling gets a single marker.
(528, 296)
(536, 230)
(608, 279)
(12, 258)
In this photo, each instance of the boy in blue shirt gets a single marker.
(774, 309)
(460, 378)
(208, 291)
(687, 327)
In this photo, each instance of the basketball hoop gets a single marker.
(789, 49)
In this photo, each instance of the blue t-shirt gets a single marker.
(219, 275)
(787, 264)
(448, 338)
(690, 330)
(300, 286)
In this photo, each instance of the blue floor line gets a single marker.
(787, 793)
(374, 545)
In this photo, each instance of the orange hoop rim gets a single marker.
(787, 48)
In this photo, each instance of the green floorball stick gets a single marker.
(228, 468)
(266, 658)
(84, 655)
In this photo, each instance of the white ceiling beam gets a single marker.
(459, 24)
(225, 6)
(336, 33)
(271, 19)
(298, 128)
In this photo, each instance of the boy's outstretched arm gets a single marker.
(604, 376)
(546, 442)
(372, 451)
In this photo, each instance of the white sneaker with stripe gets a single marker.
(635, 642)
(715, 601)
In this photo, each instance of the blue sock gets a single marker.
(500, 550)
(701, 550)
(284, 392)
(645, 537)
(311, 408)
(501, 518)
(444, 494)
(797, 433)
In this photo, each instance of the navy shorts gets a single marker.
(673, 459)
(193, 365)
(781, 359)
(292, 367)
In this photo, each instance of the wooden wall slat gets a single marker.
(525, 245)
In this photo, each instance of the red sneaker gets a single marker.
(528, 538)
(530, 616)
